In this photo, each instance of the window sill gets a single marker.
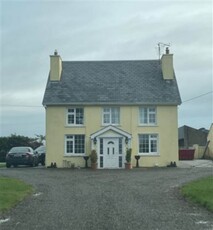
(148, 125)
(75, 155)
(74, 126)
(117, 125)
(149, 154)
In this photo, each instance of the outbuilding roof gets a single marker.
(112, 83)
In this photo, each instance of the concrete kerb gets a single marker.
(195, 163)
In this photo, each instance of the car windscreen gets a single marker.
(40, 149)
(19, 150)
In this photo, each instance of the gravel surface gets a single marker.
(106, 199)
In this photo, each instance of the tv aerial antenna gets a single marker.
(161, 46)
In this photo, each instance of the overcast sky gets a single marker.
(100, 30)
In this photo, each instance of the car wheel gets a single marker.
(15, 165)
(8, 165)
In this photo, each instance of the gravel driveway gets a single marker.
(107, 199)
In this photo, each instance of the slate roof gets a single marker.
(112, 82)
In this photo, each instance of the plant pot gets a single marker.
(128, 166)
(94, 166)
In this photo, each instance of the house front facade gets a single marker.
(111, 106)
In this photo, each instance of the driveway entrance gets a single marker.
(106, 199)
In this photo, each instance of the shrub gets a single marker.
(93, 156)
(128, 155)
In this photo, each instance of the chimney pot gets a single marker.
(167, 50)
(56, 52)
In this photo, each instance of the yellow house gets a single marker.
(110, 106)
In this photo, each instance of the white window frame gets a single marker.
(110, 114)
(150, 138)
(149, 113)
(75, 116)
(72, 138)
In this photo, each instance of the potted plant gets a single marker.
(128, 164)
(93, 158)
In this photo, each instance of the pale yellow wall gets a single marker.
(56, 129)
(210, 138)
(55, 67)
(166, 128)
(167, 66)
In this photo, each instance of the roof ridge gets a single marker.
(136, 60)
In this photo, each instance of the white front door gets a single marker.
(111, 153)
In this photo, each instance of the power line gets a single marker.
(23, 106)
(193, 98)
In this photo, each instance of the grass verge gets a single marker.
(200, 191)
(12, 191)
(2, 164)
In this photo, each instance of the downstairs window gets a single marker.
(148, 144)
(74, 144)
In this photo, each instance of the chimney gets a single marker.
(167, 65)
(55, 67)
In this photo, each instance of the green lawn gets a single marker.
(12, 191)
(200, 191)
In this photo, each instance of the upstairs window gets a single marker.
(75, 116)
(147, 116)
(111, 116)
(148, 144)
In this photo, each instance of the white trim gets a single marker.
(112, 128)
(74, 155)
(74, 126)
(108, 133)
(74, 113)
(110, 115)
(73, 141)
(149, 153)
(148, 123)
(104, 155)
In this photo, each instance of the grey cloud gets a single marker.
(101, 31)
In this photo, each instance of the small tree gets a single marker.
(93, 156)
(128, 155)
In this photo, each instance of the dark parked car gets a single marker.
(21, 156)
(41, 152)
